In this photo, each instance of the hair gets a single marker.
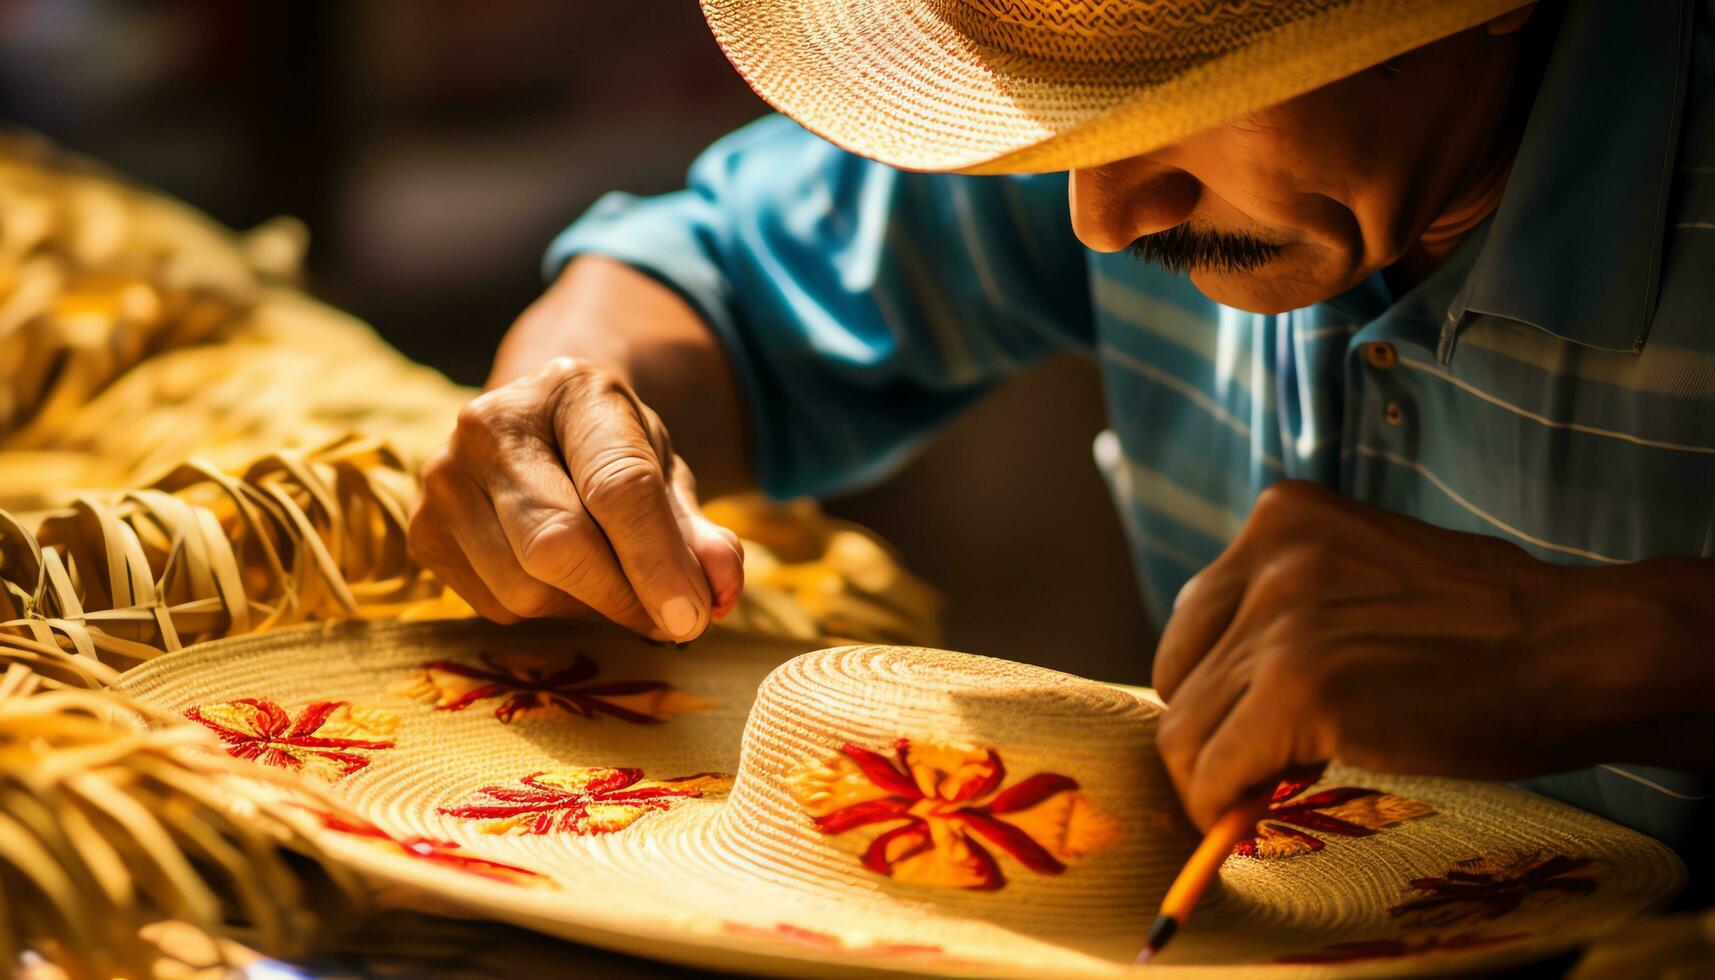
(1185, 248)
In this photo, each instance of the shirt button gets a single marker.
(1394, 414)
(1381, 355)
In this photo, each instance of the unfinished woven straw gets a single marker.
(176, 451)
(109, 828)
(1017, 86)
(136, 334)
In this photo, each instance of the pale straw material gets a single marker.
(108, 828)
(1016, 86)
(136, 333)
(744, 879)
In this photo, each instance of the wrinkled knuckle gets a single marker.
(574, 380)
(1281, 502)
(1278, 585)
(622, 482)
(553, 551)
(564, 366)
(482, 423)
(1192, 589)
(1311, 563)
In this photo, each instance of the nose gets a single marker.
(1116, 204)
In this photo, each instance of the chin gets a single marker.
(1286, 282)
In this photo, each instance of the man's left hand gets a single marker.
(1333, 629)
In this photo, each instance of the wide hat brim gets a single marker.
(982, 86)
(436, 786)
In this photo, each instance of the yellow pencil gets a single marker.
(1201, 870)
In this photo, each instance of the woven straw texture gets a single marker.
(997, 86)
(737, 877)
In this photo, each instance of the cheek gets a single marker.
(1267, 174)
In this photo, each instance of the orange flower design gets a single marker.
(527, 682)
(1490, 886)
(328, 739)
(948, 803)
(583, 802)
(427, 849)
(1343, 812)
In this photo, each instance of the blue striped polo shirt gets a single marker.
(1551, 383)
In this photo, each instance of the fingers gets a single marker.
(1247, 753)
(541, 559)
(1200, 707)
(436, 549)
(1201, 614)
(611, 458)
(503, 524)
(717, 549)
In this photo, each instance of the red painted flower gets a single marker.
(582, 801)
(947, 802)
(1387, 949)
(427, 849)
(327, 739)
(1343, 812)
(526, 682)
(1490, 886)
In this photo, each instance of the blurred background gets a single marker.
(434, 148)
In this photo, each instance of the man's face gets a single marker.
(1299, 202)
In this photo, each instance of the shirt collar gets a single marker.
(1575, 246)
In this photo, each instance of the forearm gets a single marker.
(606, 312)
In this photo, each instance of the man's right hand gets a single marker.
(559, 493)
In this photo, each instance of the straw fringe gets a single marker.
(136, 334)
(108, 826)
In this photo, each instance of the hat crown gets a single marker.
(1055, 780)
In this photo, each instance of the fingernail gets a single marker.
(679, 616)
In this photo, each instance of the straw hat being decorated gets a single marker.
(998, 86)
(744, 804)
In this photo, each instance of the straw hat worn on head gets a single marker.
(1017, 86)
(865, 810)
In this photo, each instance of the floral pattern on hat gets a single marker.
(328, 739)
(1344, 811)
(428, 849)
(947, 803)
(1390, 949)
(525, 682)
(1492, 885)
(582, 802)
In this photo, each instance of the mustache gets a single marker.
(1185, 249)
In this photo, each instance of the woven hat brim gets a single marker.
(893, 81)
(679, 885)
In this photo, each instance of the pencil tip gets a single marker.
(1159, 933)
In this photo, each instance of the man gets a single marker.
(1419, 464)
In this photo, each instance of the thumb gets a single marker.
(717, 548)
